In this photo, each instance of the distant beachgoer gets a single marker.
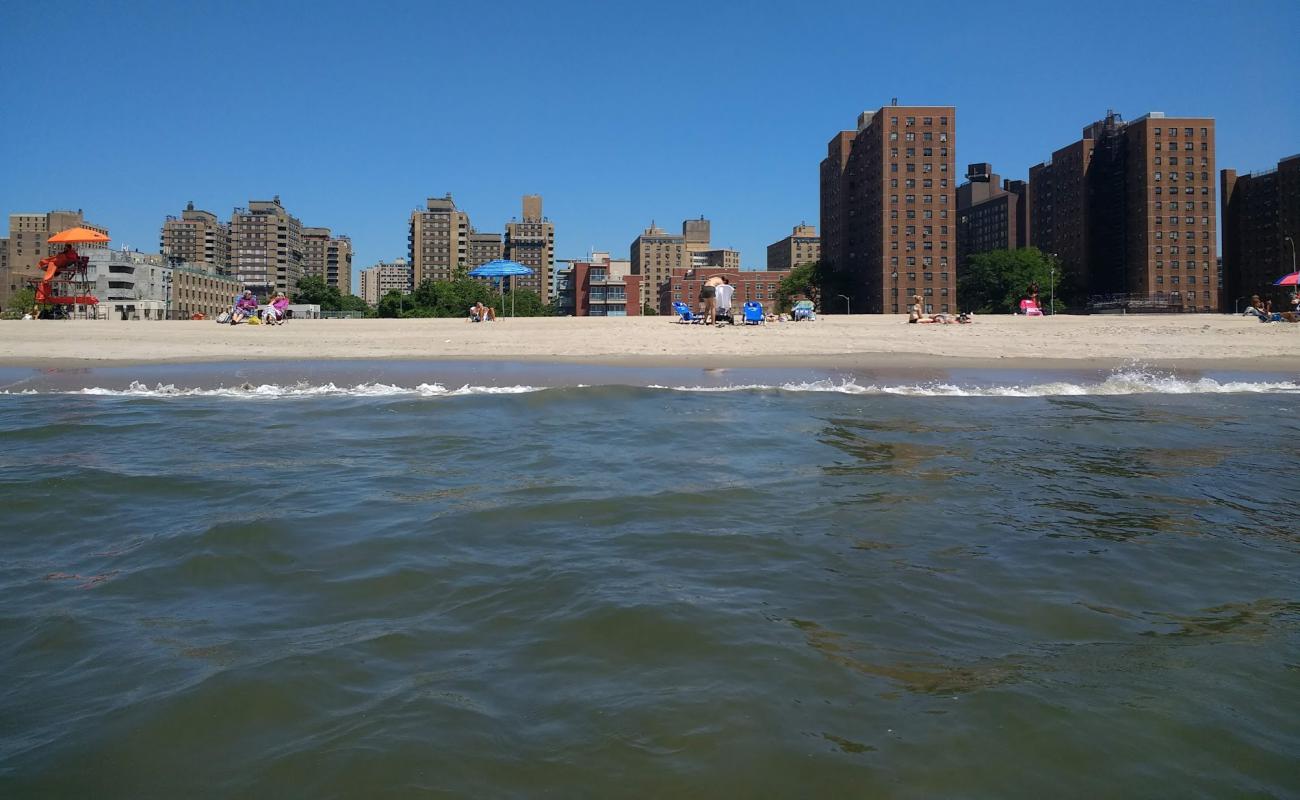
(245, 307)
(914, 313)
(708, 299)
(723, 294)
(275, 311)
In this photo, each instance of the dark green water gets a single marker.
(636, 592)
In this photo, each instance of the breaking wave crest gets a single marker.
(270, 390)
(1120, 383)
(1127, 382)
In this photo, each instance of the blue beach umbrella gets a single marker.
(501, 268)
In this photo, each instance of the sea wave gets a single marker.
(1120, 383)
(303, 390)
(1126, 382)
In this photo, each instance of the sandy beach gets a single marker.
(1192, 341)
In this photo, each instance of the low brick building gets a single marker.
(685, 285)
(199, 291)
(598, 290)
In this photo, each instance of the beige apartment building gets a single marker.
(438, 241)
(266, 248)
(481, 248)
(28, 243)
(197, 237)
(801, 247)
(656, 253)
(385, 277)
(530, 241)
(328, 257)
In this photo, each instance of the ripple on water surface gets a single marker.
(613, 591)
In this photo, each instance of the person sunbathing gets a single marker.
(245, 307)
(275, 310)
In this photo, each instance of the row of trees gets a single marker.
(313, 290)
(453, 299)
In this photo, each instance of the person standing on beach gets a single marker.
(724, 294)
(708, 299)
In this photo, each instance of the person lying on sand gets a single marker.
(946, 319)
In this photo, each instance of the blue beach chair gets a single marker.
(754, 313)
(684, 313)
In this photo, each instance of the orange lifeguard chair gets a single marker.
(64, 282)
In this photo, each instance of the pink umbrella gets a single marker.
(1288, 280)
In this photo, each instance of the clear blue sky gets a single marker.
(618, 113)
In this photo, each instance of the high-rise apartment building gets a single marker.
(328, 257)
(991, 213)
(656, 253)
(438, 241)
(888, 208)
(481, 248)
(530, 241)
(800, 247)
(1129, 211)
(28, 243)
(384, 277)
(1261, 229)
(197, 237)
(266, 247)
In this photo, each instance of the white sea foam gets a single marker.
(1119, 383)
(303, 390)
(1124, 382)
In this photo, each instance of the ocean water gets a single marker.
(490, 581)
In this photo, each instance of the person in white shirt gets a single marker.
(723, 297)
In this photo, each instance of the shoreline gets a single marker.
(1190, 342)
(920, 362)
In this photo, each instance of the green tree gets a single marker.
(527, 303)
(350, 302)
(394, 304)
(313, 290)
(995, 282)
(22, 300)
(649, 310)
(808, 280)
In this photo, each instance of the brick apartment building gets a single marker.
(197, 237)
(385, 277)
(266, 247)
(992, 214)
(888, 208)
(328, 257)
(1129, 211)
(530, 240)
(803, 246)
(1260, 211)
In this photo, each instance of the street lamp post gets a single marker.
(1292, 242)
(894, 300)
(1051, 285)
(847, 312)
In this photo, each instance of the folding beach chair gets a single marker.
(803, 310)
(684, 313)
(753, 311)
